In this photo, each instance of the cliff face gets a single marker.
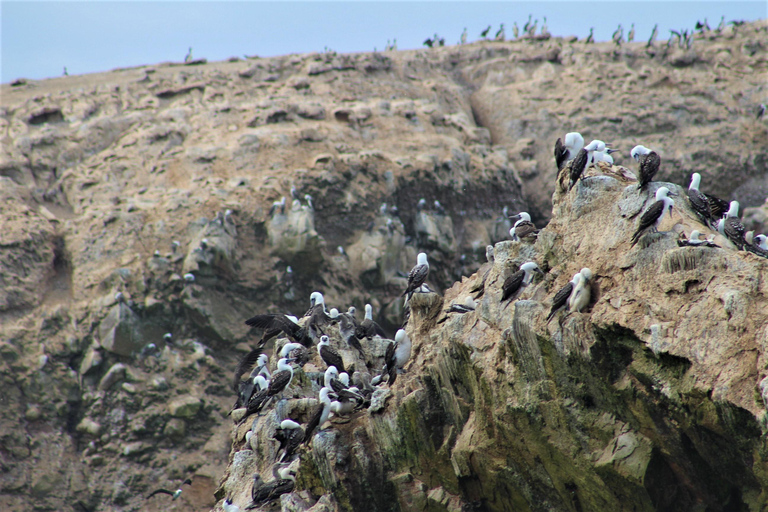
(650, 399)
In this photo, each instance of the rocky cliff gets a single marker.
(137, 203)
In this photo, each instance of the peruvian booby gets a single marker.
(649, 164)
(317, 314)
(417, 275)
(489, 253)
(756, 244)
(699, 201)
(761, 241)
(591, 36)
(188, 56)
(259, 396)
(561, 153)
(348, 330)
(563, 296)
(484, 33)
(274, 323)
(515, 30)
(523, 227)
(730, 226)
(229, 506)
(173, 494)
(320, 415)
(461, 308)
(295, 351)
(631, 35)
(654, 33)
(582, 291)
(368, 328)
(695, 241)
(603, 156)
(573, 143)
(618, 35)
(266, 492)
(500, 34)
(245, 365)
(516, 283)
(760, 110)
(463, 38)
(397, 355)
(277, 205)
(581, 161)
(282, 378)
(290, 435)
(328, 354)
(717, 207)
(654, 214)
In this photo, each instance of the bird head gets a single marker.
(531, 267)
(586, 274)
(639, 151)
(422, 259)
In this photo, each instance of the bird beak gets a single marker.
(674, 194)
(611, 150)
(515, 217)
(537, 269)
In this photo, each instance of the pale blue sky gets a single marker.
(40, 38)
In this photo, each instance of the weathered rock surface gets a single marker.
(121, 182)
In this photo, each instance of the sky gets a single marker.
(38, 39)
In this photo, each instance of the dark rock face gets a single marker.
(157, 183)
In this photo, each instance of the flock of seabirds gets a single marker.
(683, 38)
(342, 394)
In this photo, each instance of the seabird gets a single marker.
(561, 153)
(228, 506)
(581, 292)
(563, 296)
(368, 328)
(188, 56)
(308, 199)
(439, 208)
(761, 241)
(173, 494)
(591, 36)
(631, 35)
(603, 156)
(282, 378)
(245, 365)
(484, 33)
(295, 351)
(290, 435)
(515, 30)
(428, 42)
(760, 110)
(654, 214)
(278, 205)
(699, 201)
(500, 34)
(523, 227)
(398, 353)
(467, 306)
(717, 207)
(348, 330)
(514, 284)
(649, 164)
(320, 415)
(189, 277)
(581, 161)
(695, 241)
(175, 246)
(654, 33)
(489, 253)
(618, 35)
(328, 354)
(417, 275)
(274, 323)
(756, 244)
(527, 25)
(731, 227)
(573, 143)
(317, 314)
(119, 297)
(265, 492)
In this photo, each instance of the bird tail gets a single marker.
(635, 238)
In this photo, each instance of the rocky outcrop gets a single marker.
(648, 400)
(137, 236)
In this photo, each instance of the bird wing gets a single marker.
(313, 423)
(577, 166)
(337, 386)
(525, 228)
(389, 355)
(282, 322)
(700, 204)
(735, 231)
(717, 206)
(649, 166)
(160, 491)
(416, 277)
(332, 358)
(561, 298)
(512, 284)
(279, 382)
(245, 365)
(648, 219)
(561, 153)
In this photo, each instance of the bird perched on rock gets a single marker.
(290, 435)
(654, 33)
(500, 34)
(582, 291)
(398, 353)
(282, 378)
(581, 161)
(618, 35)
(516, 283)
(654, 214)
(756, 244)
(266, 492)
(523, 227)
(417, 275)
(631, 35)
(173, 494)
(699, 201)
(484, 33)
(649, 164)
(591, 36)
(730, 226)
(563, 296)
(368, 328)
(695, 241)
(329, 355)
